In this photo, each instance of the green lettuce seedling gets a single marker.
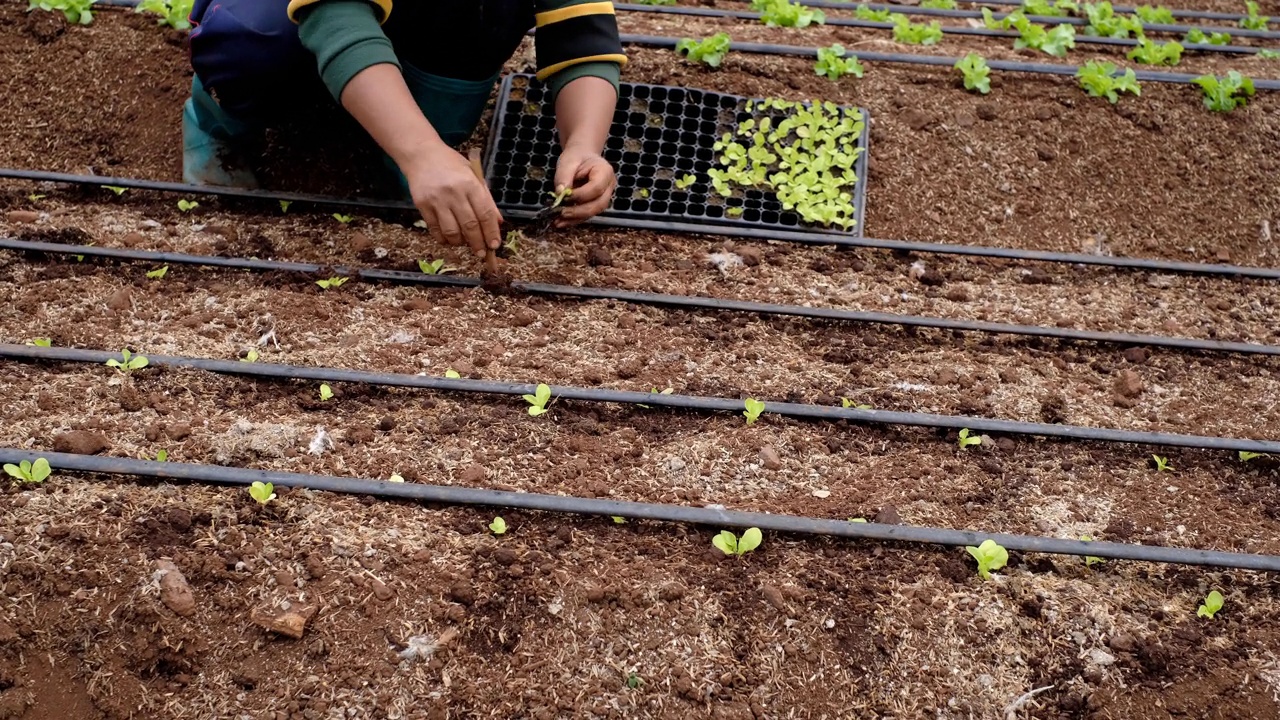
(1196, 36)
(452, 374)
(332, 282)
(435, 267)
(863, 12)
(710, 52)
(1253, 21)
(77, 12)
(396, 478)
(187, 205)
(162, 455)
(730, 544)
(250, 356)
(967, 440)
(833, 64)
(1226, 93)
(634, 681)
(1162, 464)
(36, 197)
(116, 189)
(656, 391)
(262, 492)
(784, 13)
(1265, 54)
(158, 273)
(847, 403)
(284, 205)
(1159, 15)
(685, 181)
(515, 239)
(1047, 8)
(174, 13)
(1150, 52)
(30, 472)
(1244, 455)
(1104, 22)
(1055, 42)
(753, 409)
(41, 342)
(344, 219)
(498, 526)
(128, 362)
(326, 392)
(1090, 560)
(909, 33)
(1099, 79)
(1211, 605)
(977, 76)
(990, 556)
(618, 519)
(939, 4)
(539, 399)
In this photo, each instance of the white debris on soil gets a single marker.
(320, 442)
(422, 647)
(725, 261)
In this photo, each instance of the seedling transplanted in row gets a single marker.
(435, 267)
(1048, 8)
(41, 342)
(1055, 42)
(909, 33)
(284, 205)
(452, 374)
(618, 519)
(187, 205)
(515, 239)
(1253, 21)
(333, 282)
(1162, 463)
(785, 13)
(730, 544)
(1104, 22)
(848, 403)
(128, 362)
(968, 440)
(634, 681)
(753, 409)
(77, 12)
(1226, 93)
(116, 189)
(1212, 604)
(1265, 54)
(326, 392)
(396, 478)
(1245, 456)
(539, 399)
(498, 526)
(833, 64)
(158, 273)
(684, 181)
(977, 76)
(344, 219)
(174, 13)
(990, 556)
(1090, 560)
(162, 455)
(656, 391)
(1099, 79)
(1196, 36)
(939, 4)
(262, 492)
(1150, 52)
(1159, 15)
(30, 472)
(710, 52)
(251, 355)
(863, 12)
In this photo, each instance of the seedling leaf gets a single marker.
(326, 392)
(1211, 605)
(1162, 463)
(498, 526)
(967, 440)
(753, 409)
(1246, 456)
(990, 556)
(711, 52)
(262, 492)
(187, 205)
(539, 399)
(344, 219)
(158, 273)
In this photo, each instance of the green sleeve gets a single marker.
(346, 39)
(610, 71)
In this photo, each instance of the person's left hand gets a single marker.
(593, 181)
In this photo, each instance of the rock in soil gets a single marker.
(474, 474)
(769, 457)
(1136, 355)
(774, 597)
(80, 442)
(751, 256)
(1128, 384)
(289, 623)
(175, 593)
(599, 257)
(120, 300)
(888, 515)
(23, 216)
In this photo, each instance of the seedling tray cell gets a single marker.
(661, 135)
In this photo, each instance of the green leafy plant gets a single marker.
(1245, 456)
(1226, 93)
(158, 273)
(1090, 560)
(685, 181)
(128, 362)
(784, 13)
(41, 342)
(730, 544)
(939, 4)
(1196, 36)
(753, 409)
(863, 12)
(77, 12)
(332, 282)
(452, 374)
(977, 76)
(498, 526)
(1162, 463)
(1099, 79)
(847, 403)
(990, 556)
(36, 197)
(30, 472)
(1150, 52)
(284, 205)
(618, 520)
(1048, 8)
(634, 681)
(187, 205)
(858, 520)
(968, 440)
(326, 392)
(262, 492)
(1158, 15)
(174, 13)
(250, 356)
(514, 240)
(710, 52)
(656, 391)
(833, 64)
(539, 399)
(1104, 22)
(1055, 42)
(162, 455)
(396, 478)
(1253, 21)
(1211, 605)
(1265, 54)
(116, 189)
(909, 33)
(344, 219)
(435, 267)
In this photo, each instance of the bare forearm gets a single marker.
(378, 98)
(584, 113)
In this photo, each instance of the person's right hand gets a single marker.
(455, 204)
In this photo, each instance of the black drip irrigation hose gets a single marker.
(946, 29)
(648, 298)
(1128, 10)
(812, 237)
(681, 402)
(662, 512)
(661, 41)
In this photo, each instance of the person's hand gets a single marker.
(455, 204)
(593, 181)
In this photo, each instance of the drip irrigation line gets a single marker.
(683, 402)
(661, 41)
(946, 29)
(649, 298)
(1129, 10)
(662, 512)
(808, 237)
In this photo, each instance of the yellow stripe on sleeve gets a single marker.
(573, 11)
(547, 72)
(295, 5)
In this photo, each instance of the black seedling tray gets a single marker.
(660, 133)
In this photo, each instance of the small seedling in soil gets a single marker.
(990, 556)
(452, 374)
(539, 399)
(909, 33)
(128, 362)
(117, 190)
(158, 273)
(250, 356)
(1090, 560)
(559, 196)
(1099, 79)
(162, 455)
(977, 75)
(1226, 93)
(858, 520)
(753, 409)
(863, 12)
(1244, 455)
(833, 64)
(46, 342)
(967, 440)
(1211, 605)
(187, 205)
(618, 519)
(733, 212)
(332, 282)
(498, 526)
(710, 52)
(1196, 36)
(435, 267)
(656, 391)
(730, 544)
(847, 403)
(1159, 15)
(1253, 21)
(685, 181)
(76, 12)
(939, 4)
(30, 472)
(1150, 52)
(1104, 22)
(36, 197)
(284, 205)
(395, 478)
(174, 13)
(784, 13)
(514, 239)
(326, 392)
(344, 219)
(262, 492)
(1162, 463)
(1061, 8)
(1055, 42)
(634, 681)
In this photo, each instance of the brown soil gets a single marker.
(551, 619)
